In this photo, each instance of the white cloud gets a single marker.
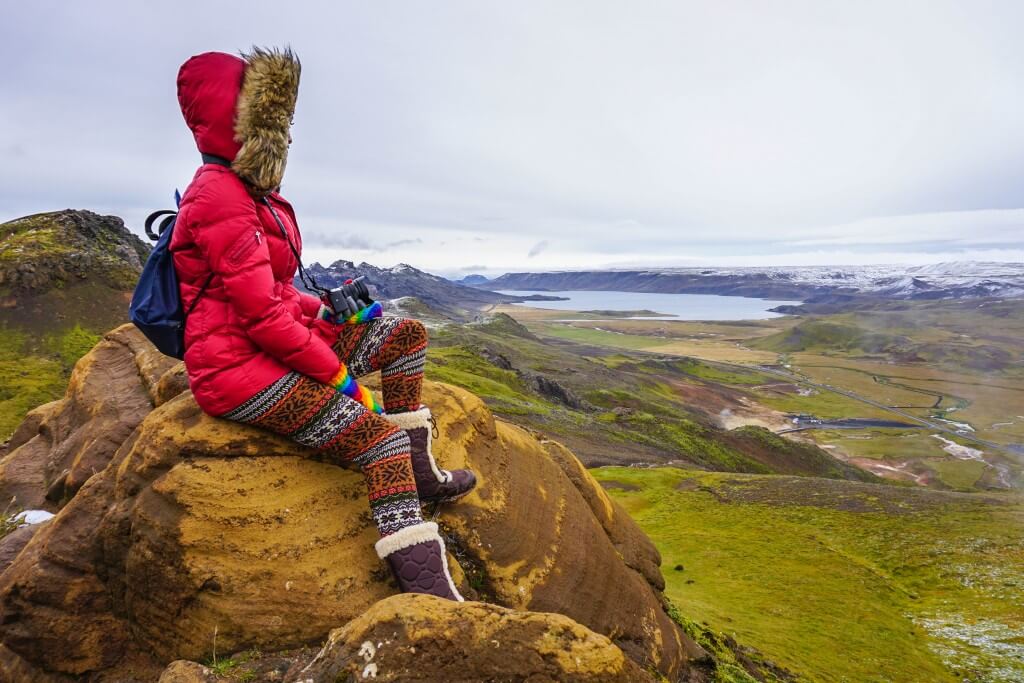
(686, 132)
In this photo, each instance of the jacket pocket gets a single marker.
(242, 247)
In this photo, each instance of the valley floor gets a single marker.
(839, 580)
(949, 376)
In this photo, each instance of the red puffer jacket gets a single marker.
(251, 326)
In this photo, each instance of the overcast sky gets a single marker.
(484, 136)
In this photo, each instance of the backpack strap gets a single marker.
(151, 218)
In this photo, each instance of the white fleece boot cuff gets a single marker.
(407, 536)
(411, 420)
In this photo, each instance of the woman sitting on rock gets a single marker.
(259, 351)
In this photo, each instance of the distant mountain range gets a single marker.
(957, 280)
(451, 299)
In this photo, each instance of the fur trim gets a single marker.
(411, 420)
(420, 419)
(448, 574)
(407, 536)
(263, 117)
(413, 535)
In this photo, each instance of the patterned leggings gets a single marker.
(319, 416)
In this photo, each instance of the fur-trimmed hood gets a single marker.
(241, 109)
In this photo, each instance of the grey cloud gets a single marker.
(538, 248)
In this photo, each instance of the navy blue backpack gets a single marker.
(156, 304)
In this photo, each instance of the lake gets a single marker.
(670, 306)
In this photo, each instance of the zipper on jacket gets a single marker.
(243, 247)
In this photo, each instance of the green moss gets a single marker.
(33, 373)
(72, 344)
(8, 523)
(26, 380)
(33, 242)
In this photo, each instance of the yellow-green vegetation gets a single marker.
(658, 337)
(9, 519)
(723, 374)
(599, 337)
(506, 392)
(31, 375)
(838, 580)
(626, 409)
(831, 335)
(823, 404)
(727, 653)
(881, 443)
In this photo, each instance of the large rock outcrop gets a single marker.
(422, 638)
(196, 528)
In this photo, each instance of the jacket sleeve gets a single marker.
(310, 304)
(230, 236)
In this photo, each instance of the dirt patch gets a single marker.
(619, 486)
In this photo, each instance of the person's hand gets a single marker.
(346, 384)
(375, 310)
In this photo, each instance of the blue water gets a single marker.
(670, 306)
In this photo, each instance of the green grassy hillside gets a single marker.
(823, 334)
(613, 409)
(839, 580)
(65, 279)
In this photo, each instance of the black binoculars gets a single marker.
(349, 298)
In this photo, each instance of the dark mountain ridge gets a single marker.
(443, 296)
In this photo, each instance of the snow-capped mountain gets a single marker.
(954, 280)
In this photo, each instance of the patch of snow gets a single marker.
(958, 451)
(33, 516)
(959, 426)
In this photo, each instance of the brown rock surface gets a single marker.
(184, 671)
(199, 524)
(423, 638)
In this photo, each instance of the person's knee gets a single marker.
(415, 333)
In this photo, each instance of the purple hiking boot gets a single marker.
(417, 557)
(433, 484)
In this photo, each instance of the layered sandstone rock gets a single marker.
(61, 444)
(199, 527)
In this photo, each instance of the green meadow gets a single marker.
(838, 580)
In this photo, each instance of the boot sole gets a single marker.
(432, 501)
